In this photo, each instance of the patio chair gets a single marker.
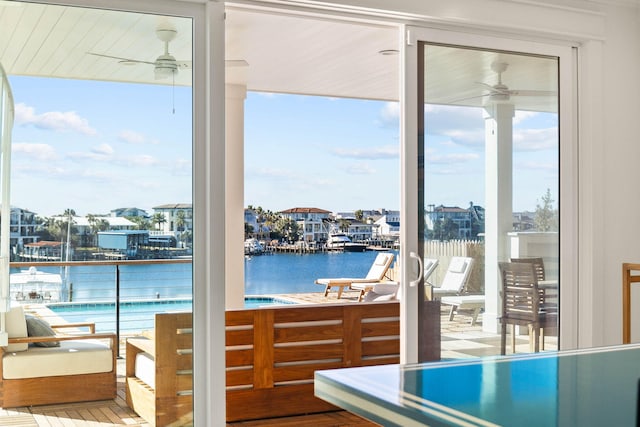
(384, 291)
(377, 273)
(455, 278)
(522, 306)
(40, 366)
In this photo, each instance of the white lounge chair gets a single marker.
(455, 278)
(384, 291)
(376, 273)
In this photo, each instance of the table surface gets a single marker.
(594, 387)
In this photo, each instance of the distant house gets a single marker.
(42, 251)
(178, 218)
(469, 222)
(22, 228)
(310, 222)
(135, 212)
(123, 242)
(385, 229)
(360, 231)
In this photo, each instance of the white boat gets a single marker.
(253, 247)
(342, 242)
(35, 286)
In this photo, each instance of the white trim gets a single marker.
(209, 263)
(408, 192)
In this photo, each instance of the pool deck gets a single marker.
(459, 340)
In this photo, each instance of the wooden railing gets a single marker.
(630, 274)
(272, 353)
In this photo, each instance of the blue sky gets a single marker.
(95, 146)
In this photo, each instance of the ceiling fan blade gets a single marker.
(468, 98)
(124, 60)
(533, 92)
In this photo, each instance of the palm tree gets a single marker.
(181, 220)
(157, 219)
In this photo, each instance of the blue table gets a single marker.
(595, 387)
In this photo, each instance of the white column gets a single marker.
(234, 195)
(499, 204)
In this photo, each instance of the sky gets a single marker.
(96, 146)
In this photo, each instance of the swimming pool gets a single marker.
(136, 316)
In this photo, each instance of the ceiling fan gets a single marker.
(165, 65)
(500, 92)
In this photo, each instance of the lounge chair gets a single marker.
(376, 273)
(455, 278)
(384, 291)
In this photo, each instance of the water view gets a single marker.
(148, 289)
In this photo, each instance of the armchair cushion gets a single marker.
(37, 327)
(73, 357)
(16, 325)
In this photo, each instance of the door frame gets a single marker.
(568, 170)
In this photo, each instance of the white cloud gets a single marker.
(103, 149)
(42, 152)
(132, 137)
(142, 160)
(390, 114)
(360, 169)
(53, 120)
(384, 152)
(535, 139)
(454, 158)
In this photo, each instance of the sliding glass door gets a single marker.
(483, 160)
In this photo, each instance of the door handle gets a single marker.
(415, 256)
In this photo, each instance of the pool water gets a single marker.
(136, 316)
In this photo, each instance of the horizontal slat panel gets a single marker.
(374, 348)
(307, 352)
(239, 317)
(305, 314)
(275, 402)
(237, 377)
(184, 362)
(387, 360)
(236, 358)
(184, 382)
(301, 372)
(380, 329)
(240, 337)
(380, 310)
(308, 333)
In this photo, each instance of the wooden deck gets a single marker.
(459, 339)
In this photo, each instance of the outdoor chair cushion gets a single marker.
(70, 358)
(37, 327)
(16, 326)
(145, 369)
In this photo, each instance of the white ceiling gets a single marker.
(287, 53)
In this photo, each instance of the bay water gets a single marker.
(280, 273)
(148, 289)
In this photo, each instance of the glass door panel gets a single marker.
(488, 191)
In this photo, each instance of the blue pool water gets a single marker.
(135, 316)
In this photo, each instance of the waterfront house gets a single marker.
(310, 223)
(23, 228)
(178, 218)
(313, 47)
